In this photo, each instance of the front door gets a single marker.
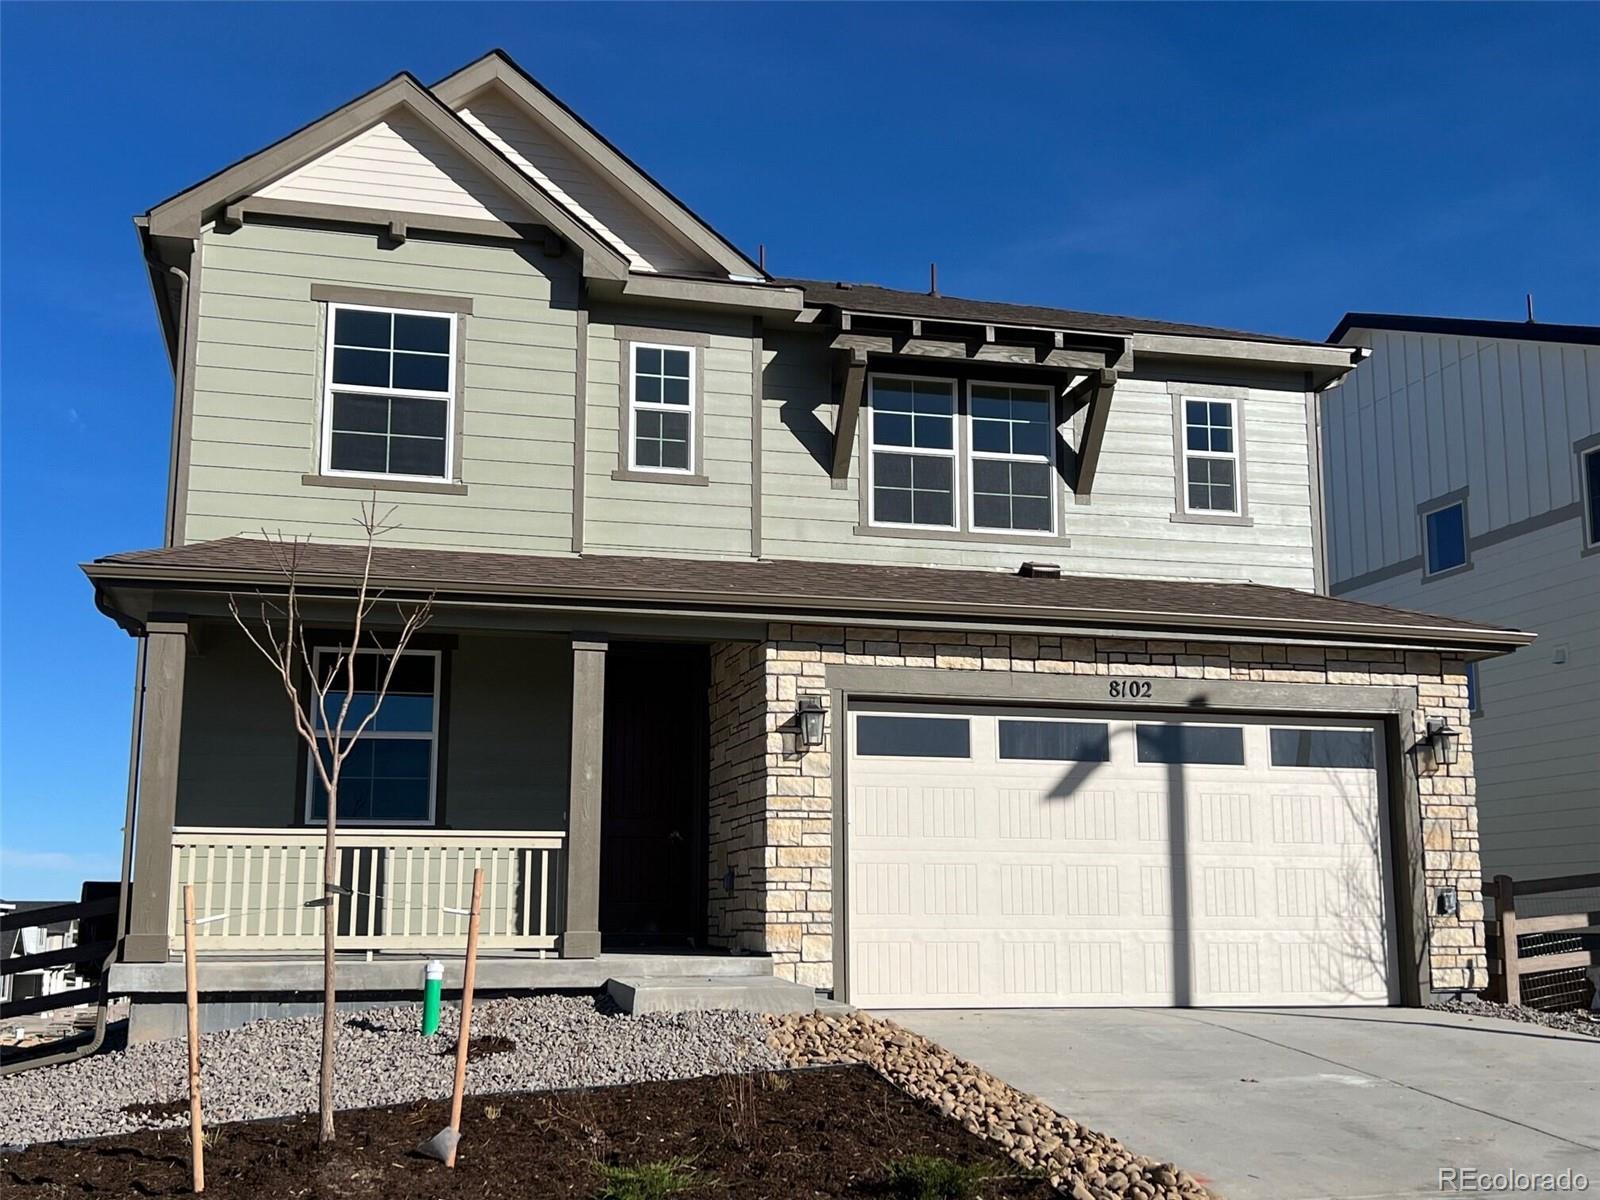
(653, 802)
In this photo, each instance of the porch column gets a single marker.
(581, 936)
(150, 900)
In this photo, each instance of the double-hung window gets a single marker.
(912, 452)
(661, 404)
(390, 775)
(1011, 456)
(389, 402)
(1210, 457)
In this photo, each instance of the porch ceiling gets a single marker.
(815, 592)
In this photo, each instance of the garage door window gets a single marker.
(914, 737)
(1216, 745)
(1322, 748)
(1055, 741)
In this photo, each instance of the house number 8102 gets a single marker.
(1130, 689)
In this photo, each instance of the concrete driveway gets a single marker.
(1290, 1104)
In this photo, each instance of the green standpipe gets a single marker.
(432, 987)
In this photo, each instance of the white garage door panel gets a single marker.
(992, 882)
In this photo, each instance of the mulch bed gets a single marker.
(806, 1133)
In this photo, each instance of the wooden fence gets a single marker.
(1507, 966)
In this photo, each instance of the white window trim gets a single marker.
(1429, 571)
(448, 396)
(1048, 459)
(635, 406)
(953, 454)
(432, 737)
(1231, 456)
(1591, 520)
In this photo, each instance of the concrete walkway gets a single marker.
(1292, 1104)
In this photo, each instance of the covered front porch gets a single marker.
(573, 770)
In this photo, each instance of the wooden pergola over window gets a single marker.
(1081, 368)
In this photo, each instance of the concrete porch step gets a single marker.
(686, 993)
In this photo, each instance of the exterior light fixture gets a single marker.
(810, 716)
(1444, 741)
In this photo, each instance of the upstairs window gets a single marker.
(1011, 454)
(389, 404)
(912, 452)
(1210, 457)
(1446, 536)
(662, 409)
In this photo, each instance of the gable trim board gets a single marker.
(497, 68)
(183, 214)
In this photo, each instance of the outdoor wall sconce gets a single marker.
(1443, 741)
(810, 716)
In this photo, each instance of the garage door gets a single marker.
(1031, 859)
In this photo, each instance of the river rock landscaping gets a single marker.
(865, 1108)
(1573, 1020)
(1084, 1164)
(269, 1068)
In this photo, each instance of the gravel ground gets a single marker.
(1078, 1161)
(1571, 1021)
(269, 1068)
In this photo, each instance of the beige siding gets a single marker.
(258, 393)
(647, 517)
(503, 742)
(578, 185)
(1127, 528)
(401, 165)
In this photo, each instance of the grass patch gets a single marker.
(930, 1177)
(646, 1181)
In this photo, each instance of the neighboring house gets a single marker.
(1462, 472)
(35, 939)
(927, 650)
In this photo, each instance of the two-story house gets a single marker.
(928, 650)
(1463, 476)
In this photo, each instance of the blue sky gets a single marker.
(1265, 167)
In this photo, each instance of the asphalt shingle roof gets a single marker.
(870, 593)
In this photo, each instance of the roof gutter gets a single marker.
(790, 607)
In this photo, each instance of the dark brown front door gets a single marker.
(653, 801)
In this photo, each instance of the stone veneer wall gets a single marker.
(771, 821)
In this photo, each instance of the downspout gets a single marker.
(180, 361)
(180, 368)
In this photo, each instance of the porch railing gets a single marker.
(409, 890)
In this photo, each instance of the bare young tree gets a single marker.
(277, 629)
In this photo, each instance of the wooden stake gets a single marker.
(468, 979)
(197, 1141)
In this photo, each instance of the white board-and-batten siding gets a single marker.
(255, 426)
(1426, 416)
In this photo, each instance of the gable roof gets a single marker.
(499, 68)
(868, 297)
(182, 214)
(791, 589)
(1517, 331)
